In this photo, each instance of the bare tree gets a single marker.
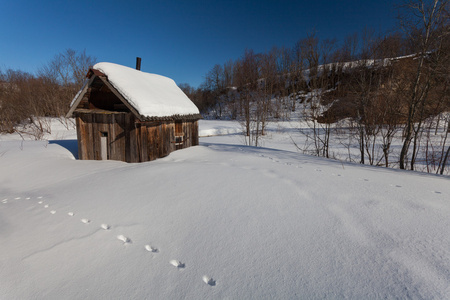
(444, 160)
(68, 68)
(284, 81)
(246, 79)
(423, 22)
(28, 99)
(319, 122)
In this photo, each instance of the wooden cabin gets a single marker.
(124, 114)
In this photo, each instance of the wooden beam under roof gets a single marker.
(80, 96)
(118, 95)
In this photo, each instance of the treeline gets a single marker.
(288, 71)
(26, 98)
(382, 85)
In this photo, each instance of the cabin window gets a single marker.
(103, 145)
(178, 140)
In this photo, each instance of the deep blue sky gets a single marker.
(179, 39)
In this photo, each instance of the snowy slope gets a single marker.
(240, 223)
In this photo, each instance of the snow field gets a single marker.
(264, 223)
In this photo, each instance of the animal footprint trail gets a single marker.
(125, 240)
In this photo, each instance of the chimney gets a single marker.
(138, 63)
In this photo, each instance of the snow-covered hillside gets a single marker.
(220, 220)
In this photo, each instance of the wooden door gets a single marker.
(103, 145)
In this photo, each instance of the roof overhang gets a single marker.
(93, 74)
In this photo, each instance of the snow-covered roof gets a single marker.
(151, 95)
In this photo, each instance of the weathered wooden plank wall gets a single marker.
(128, 139)
(195, 133)
(81, 139)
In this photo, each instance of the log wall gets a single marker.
(130, 140)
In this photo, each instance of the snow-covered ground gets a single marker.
(220, 220)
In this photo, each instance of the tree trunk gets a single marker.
(444, 163)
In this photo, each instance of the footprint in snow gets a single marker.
(17, 198)
(398, 186)
(40, 197)
(151, 249)
(5, 201)
(86, 221)
(124, 239)
(105, 226)
(46, 206)
(53, 212)
(40, 202)
(71, 214)
(208, 280)
(177, 263)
